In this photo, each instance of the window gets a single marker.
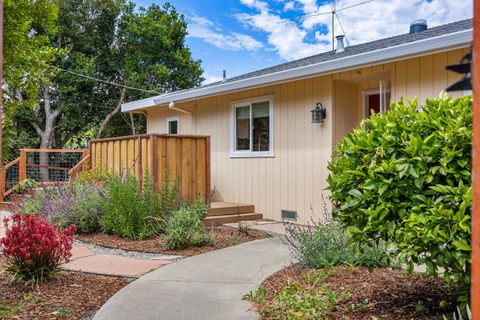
(252, 128)
(173, 125)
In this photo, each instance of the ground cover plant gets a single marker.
(406, 179)
(347, 292)
(32, 249)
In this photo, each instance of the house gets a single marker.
(265, 150)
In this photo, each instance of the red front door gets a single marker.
(373, 103)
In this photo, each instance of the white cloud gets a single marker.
(201, 27)
(256, 4)
(284, 35)
(290, 5)
(363, 23)
(209, 78)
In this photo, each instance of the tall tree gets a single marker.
(28, 25)
(151, 54)
(113, 41)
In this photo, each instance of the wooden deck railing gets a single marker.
(184, 157)
(44, 166)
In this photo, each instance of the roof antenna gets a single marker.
(334, 14)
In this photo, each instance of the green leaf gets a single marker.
(462, 245)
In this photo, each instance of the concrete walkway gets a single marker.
(205, 287)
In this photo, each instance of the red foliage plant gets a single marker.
(33, 250)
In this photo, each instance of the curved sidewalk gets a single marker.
(205, 287)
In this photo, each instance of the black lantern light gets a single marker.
(319, 113)
(464, 67)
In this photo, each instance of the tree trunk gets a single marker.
(132, 124)
(111, 114)
(46, 135)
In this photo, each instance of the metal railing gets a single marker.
(44, 166)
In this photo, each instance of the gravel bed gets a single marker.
(126, 253)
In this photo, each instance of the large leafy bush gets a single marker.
(33, 250)
(406, 179)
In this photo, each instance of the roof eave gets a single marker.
(443, 42)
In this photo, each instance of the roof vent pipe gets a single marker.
(340, 45)
(417, 26)
(224, 78)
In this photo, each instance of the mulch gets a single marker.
(383, 293)
(71, 296)
(222, 237)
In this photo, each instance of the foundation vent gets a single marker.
(289, 215)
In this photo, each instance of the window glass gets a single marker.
(261, 126)
(243, 128)
(173, 127)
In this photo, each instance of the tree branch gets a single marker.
(112, 113)
(37, 128)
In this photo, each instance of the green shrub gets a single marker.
(80, 204)
(406, 179)
(138, 213)
(126, 211)
(72, 203)
(185, 227)
(328, 244)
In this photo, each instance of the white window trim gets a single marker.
(172, 119)
(233, 124)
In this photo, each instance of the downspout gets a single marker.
(171, 106)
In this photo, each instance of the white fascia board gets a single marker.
(443, 42)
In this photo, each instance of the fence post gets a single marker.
(139, 164)
(22, 166)
(2, 183)
(207, 172)
(154, 161)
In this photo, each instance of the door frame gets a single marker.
(365, 95)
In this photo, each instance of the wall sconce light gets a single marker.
(319, 113)
(464, 68)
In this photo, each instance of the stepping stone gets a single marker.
(114, 265)
(80, 252)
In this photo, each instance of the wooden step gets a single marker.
(212, 221)
(227, 208)
(6, 206)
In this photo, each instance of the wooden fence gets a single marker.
(184, 157)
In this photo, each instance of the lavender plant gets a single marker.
(70, 203)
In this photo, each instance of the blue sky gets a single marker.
(246, 35)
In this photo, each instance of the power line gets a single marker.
(354, 5)
(327, 12)
(344, 33)
(105, 81)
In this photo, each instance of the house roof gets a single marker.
(444, 37)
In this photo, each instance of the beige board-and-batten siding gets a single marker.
(295, 178)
